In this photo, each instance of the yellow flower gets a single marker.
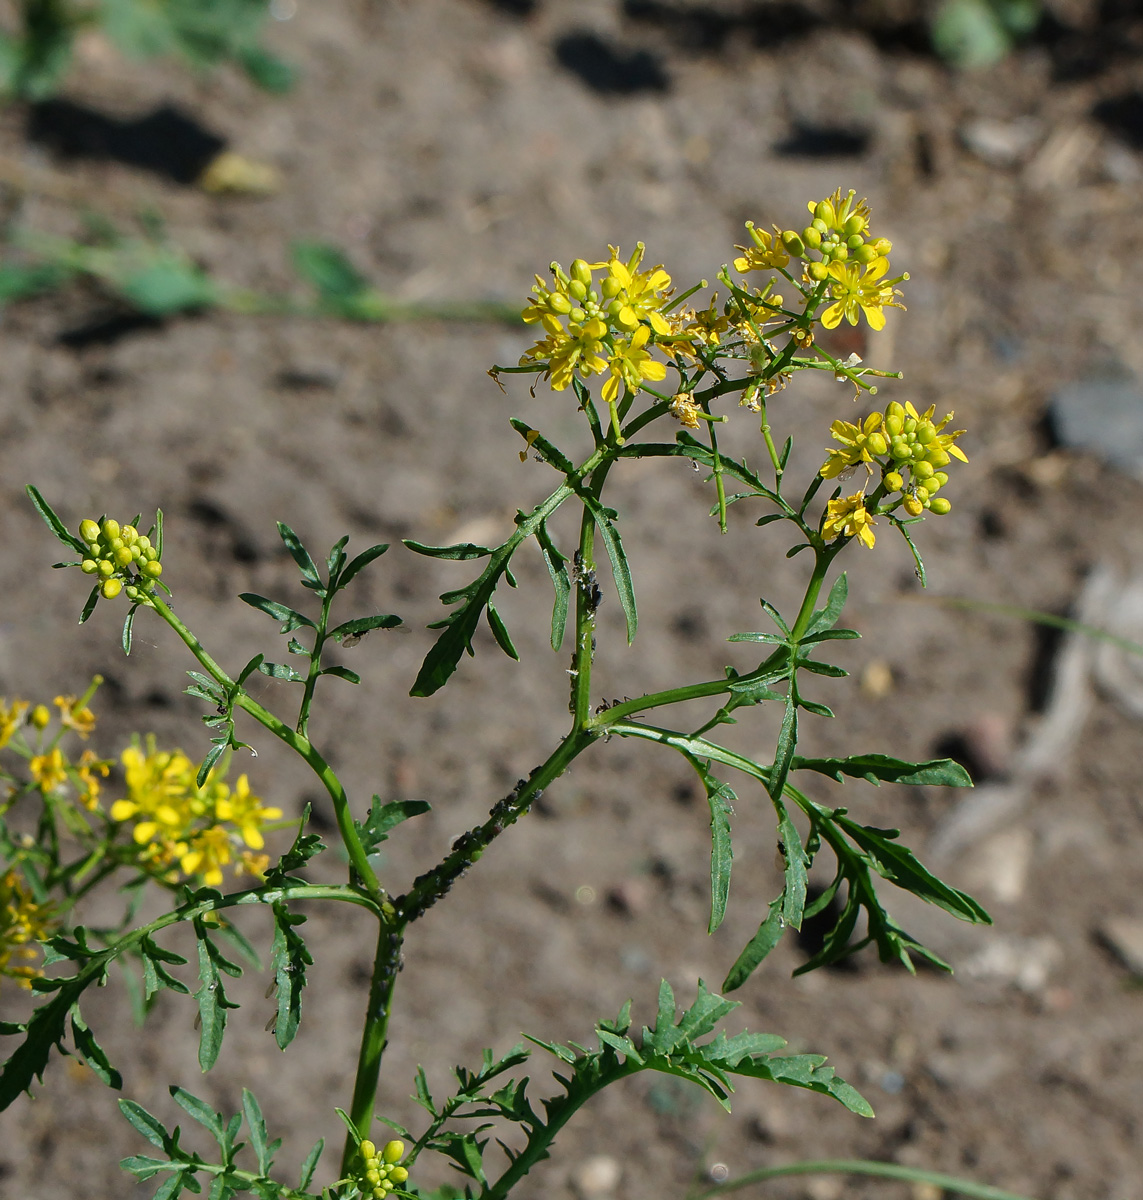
(848, 518)
(209, 852)
(634, 295)
(630, 364)
(250, 863)
(11, 718)
(561, 353)
(82, 720)
(161, 790)
(245, 810)
(859, 444)
(855, 290)
(767, 253)
(49, 770)
(22, 924)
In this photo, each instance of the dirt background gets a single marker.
(455, 147)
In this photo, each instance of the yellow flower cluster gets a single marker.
(52, 769)
(839, 256)
(593, 327)
(899, 440)
(381, 1171)
(23, 924)
(11, 718)
(119, 555)
(202, 829)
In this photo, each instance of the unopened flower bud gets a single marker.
(368, 1149)
(940, 506)
(393, 1151)
(105, 568)
(894, 481)
(559, 303)
(793, 243)
(128, 533)
(923, 470)
(41, 716)
(913, 506)
(854, 240)
(153, 569)
(864, 254)
(123, 556)
(817, 271)
(823, 211)
(854, 226)
(398, 1175)
(812, 237)
(877, 443)
(110, 588)
(577, 289)
(882, 245)
(89, 566)
(89, 531)
(581, 272)
(110, 529)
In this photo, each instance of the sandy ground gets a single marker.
(450, 146)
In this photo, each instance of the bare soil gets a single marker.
(456, 147)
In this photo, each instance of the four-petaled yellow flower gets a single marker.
(580, 347)
(245, 811)
(766, 254)
(855, 290)
(635, 295)
(859, 444)
(209, 852)
(630, 364)
(848, 518)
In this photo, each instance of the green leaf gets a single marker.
(462, 551)
(144, 1167)
(281, 671)
(256, 1123)
(899, 865)
(937, 772)
(561, 582)
(797, 863)
(550, 453)
(280, 612)
(89, 605)
(249, 669)
(772, 638)
(327, 269)
(128, 623)
(212, 1001)
(822, 668)
(362, 560)
(268, 71)
(200, 1111)
(142, 1121)
(500, 632)
(826, 618)
(619, 568)
(310, 1165)
(721, 799)
(305, 846)
(167, 285)
(212, 756)
(299, 553)
(360, 625)
(92, 1052)
(54, 523)
(920, 566)
(624, 1045)
(342, 673)
(384, 817)
(289, 959)
(768, 936)
(702, 1016)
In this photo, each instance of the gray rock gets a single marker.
(1105, 417)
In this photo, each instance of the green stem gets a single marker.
(862, 1166)
(315, 664)
(374, 1035)
(299, 744)
(822, 560)
(584, 654)
(719, 484)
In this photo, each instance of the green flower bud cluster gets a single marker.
(918, 445)
(120, 557)
(381, 1171)
(838, 232)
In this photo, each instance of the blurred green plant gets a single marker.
(36, 54)
(972, 34)
(155, 277)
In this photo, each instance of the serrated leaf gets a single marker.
(702, 1016)
(624, 1045)
(900, 866)
(362, 625)
(299, 553)
(289, 959)
(768, 936)
(384, 817)
(877, 768)
(289, 618)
